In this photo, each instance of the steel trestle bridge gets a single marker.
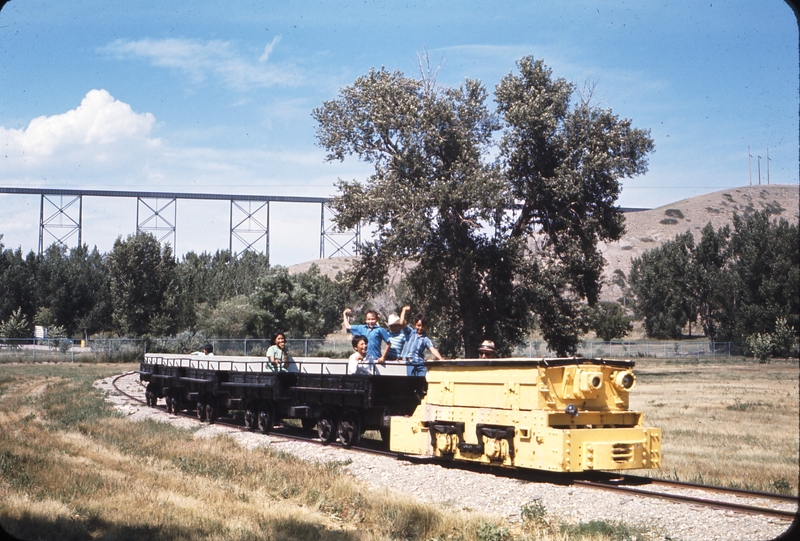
(61, 217)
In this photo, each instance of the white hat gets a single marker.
(486, 346)
(393, 320)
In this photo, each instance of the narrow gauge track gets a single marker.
(598, 480)
(624, 484)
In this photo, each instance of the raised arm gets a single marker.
(403, 315)
(346, 319)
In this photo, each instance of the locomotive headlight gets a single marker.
(571, 410)
(591, 381)
(624, 381)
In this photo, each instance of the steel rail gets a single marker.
(620, 479)
(683, 498)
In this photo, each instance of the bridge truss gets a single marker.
(61, 218)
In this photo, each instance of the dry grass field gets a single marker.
(72, 468)
(732, 423)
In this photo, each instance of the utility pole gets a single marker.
(767, 166)
(759, 170)
(750, 164)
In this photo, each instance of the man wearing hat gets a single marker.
(486, 349)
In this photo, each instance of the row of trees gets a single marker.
(736, 282)
(139, 289)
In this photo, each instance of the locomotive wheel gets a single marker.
(211, 412)
(308, 423)
(250, 420)
(350, 429)
(201, 411)
(326, 427)
(265, 420)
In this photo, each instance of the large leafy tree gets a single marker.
(143, 286)
(304, 305)
(662, 280)
(16, 283)
(498, 214)
(74, 288)
(740, 281)
(764, 257)
(712, 283)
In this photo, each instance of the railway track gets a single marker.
(690, 493)
(757, 503)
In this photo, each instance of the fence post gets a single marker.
(245, 347)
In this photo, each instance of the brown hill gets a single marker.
(647, 229)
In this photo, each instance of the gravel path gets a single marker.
(462, 490)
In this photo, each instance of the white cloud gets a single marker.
(95, 131)
(268, 49)
(206, 59)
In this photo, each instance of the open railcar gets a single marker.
(318, 391)
(565, 414)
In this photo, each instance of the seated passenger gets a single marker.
(414, 350)
(208, 350)
(398, 335)
(277, 353)
(486, 350)
(358, 363)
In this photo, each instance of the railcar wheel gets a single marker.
(201, 411)
(211, 412)
(250, 420)
(150, 395)
(308, 423)
(265, 420)
(350, 429)
(176, 405)
(170, 408)
(326, 427)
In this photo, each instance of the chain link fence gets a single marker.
(630, 350)
(132, 349)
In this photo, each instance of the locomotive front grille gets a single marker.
(622, 452)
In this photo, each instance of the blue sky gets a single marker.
(191, 96)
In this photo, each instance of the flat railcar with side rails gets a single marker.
(318, 391)
(560, 414)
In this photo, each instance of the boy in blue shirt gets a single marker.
(417, 343)
(374, 333)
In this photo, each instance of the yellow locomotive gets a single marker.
(567, 415)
